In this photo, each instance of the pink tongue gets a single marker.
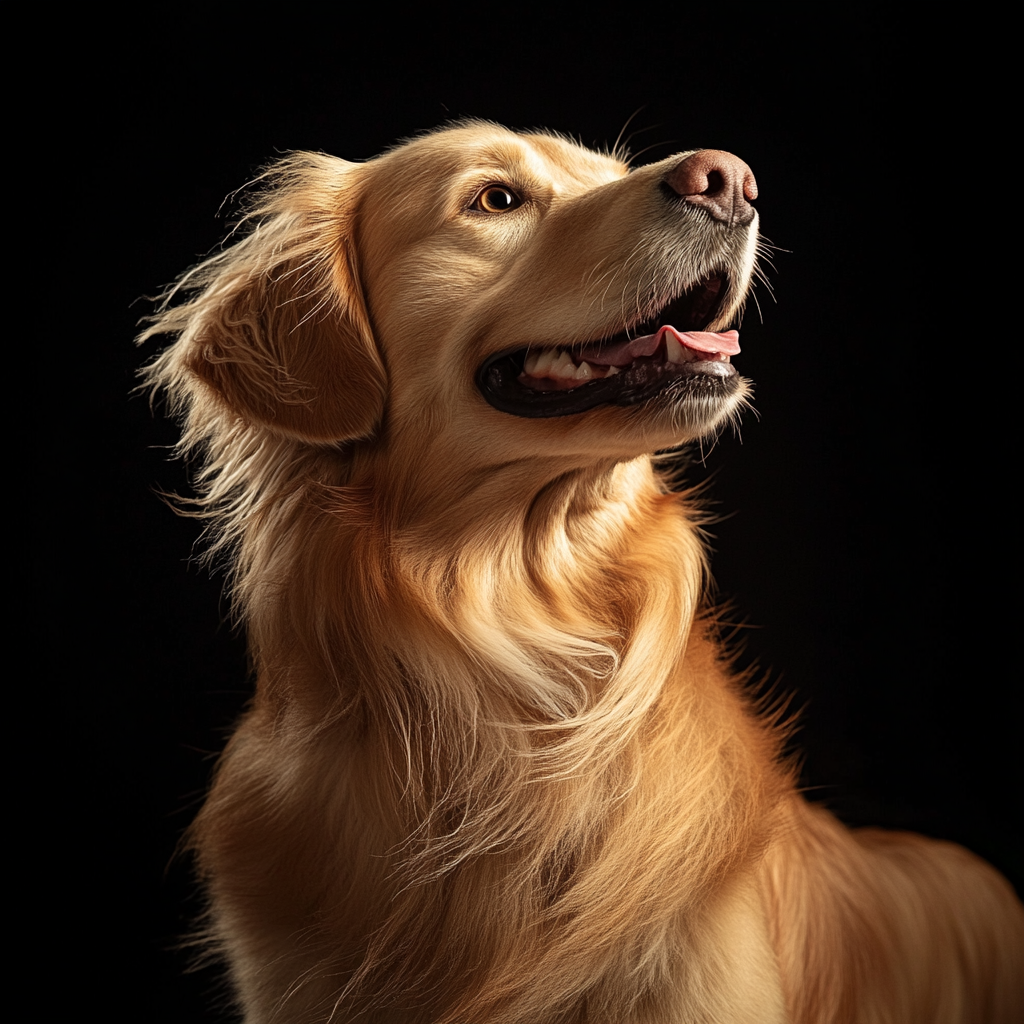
(624, 352)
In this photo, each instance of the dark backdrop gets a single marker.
(856, 511)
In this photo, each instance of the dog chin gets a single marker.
(678, 416)
(703, 404)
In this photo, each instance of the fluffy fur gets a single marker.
(496, 768)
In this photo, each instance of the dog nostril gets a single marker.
(716, 184)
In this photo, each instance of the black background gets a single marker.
(860, 511)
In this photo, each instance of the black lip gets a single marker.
(498, 378)
(498, 381)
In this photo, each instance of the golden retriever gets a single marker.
(497, 769)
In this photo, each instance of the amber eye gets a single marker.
(496, 199)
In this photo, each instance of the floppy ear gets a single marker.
(280, 330)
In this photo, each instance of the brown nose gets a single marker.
(717, 182)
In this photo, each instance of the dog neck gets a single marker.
(522, 604)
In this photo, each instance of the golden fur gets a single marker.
(496, 768)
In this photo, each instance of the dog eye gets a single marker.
(496, 199)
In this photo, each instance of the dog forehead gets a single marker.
(457, 154)
(571, 164)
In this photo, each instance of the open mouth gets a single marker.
(670, 354)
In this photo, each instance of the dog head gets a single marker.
(476, 297)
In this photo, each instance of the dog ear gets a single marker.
(280, 332)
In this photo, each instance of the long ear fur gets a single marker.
(276, 324)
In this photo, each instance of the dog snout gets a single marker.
(718, 182)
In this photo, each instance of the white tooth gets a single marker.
(530, 366)
(545, 358)
(584, 372)
(612, 370)
(674, 350)
(563, 367)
